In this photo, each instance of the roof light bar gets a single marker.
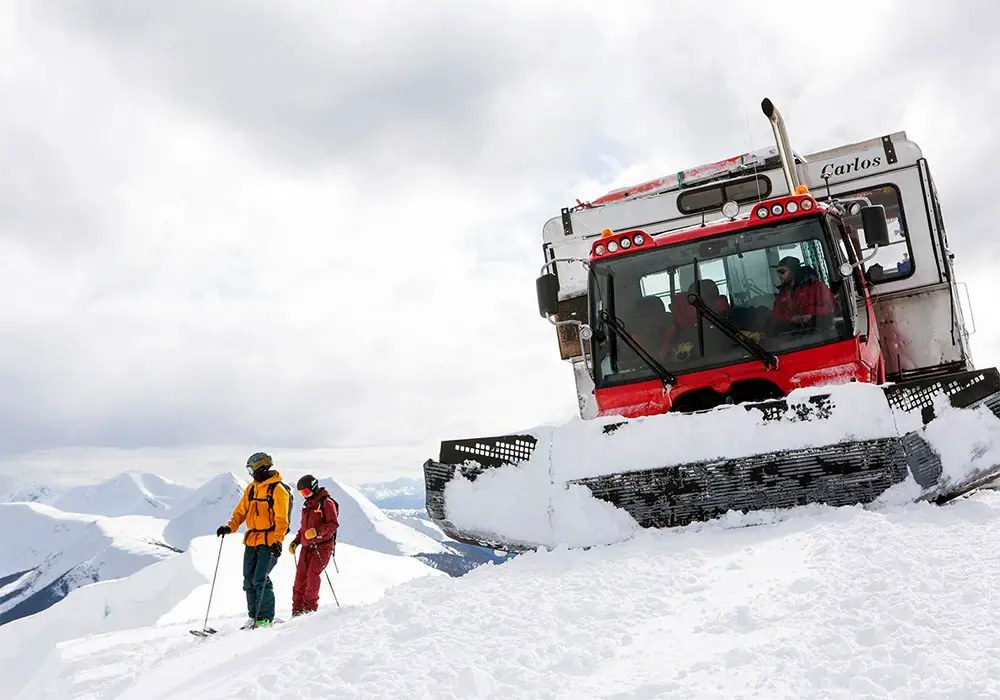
(611, 243)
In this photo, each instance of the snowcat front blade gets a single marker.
(848, 472)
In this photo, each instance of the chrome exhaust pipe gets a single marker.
(784, 147)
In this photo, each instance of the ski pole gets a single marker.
(333, 556)
(328, 578)
(212, 590)
(331, 587)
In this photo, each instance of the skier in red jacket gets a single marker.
(318, 532)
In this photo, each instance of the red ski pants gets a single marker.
(305, 590)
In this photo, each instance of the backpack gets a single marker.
(336, 507)
(270, 503)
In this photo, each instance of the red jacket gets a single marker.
(319, 512)
(809, 297)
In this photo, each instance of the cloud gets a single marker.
(317, 224)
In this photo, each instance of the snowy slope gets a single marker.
(204, 510)
(419, 521)
(819, 603)
(363, 524)
(174, 594)
(50, 530)
(60, 552)
(128, 493)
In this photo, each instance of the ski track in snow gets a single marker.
(820, 603)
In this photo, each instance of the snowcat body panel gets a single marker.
(836, 363)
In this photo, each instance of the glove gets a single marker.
(276, 549)
(292, 547)
(224, 530)
(310, 533)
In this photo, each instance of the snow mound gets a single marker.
(128, 493)
(363, 524)
(531, 502)
(814, 603)
(65, 551)
(208, 507)
(154, 609)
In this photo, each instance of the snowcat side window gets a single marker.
(895, 261)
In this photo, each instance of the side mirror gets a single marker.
(874, 225)
(547, 288)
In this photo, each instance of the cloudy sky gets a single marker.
(230, 226)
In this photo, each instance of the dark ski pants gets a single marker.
(305, 590)
(257, 564)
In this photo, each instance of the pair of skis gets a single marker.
(206, 632)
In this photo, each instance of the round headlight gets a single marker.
(777, 209)
(730, 210)
(807, 204)
(791, 207)
(599, 249)
(639, 239)
(612, 247)
(762, 213)
(626, 243)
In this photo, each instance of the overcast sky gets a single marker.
(316, 224)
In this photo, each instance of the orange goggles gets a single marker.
(306, 492)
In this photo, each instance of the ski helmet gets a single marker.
(309, 483)
(259, 460)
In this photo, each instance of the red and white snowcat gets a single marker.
(727, 288)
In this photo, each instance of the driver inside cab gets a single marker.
(803, 301)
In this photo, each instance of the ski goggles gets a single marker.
(306, 493)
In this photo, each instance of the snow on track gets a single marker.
(818, 603)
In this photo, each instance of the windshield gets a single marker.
(771, 283)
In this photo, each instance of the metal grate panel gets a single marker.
(963, 389)
(489, 451)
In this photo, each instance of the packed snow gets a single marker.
(888, 600)
(968, 441)
(174, 595)
(811, 603)
(532, 504)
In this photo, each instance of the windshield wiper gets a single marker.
(752, 346)
(615, 324)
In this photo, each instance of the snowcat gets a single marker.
(729, 289)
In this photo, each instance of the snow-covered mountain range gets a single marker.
(86, 534)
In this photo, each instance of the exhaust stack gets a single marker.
(784, 147)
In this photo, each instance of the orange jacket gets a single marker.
(267, 523)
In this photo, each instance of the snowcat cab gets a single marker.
(749, 285)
